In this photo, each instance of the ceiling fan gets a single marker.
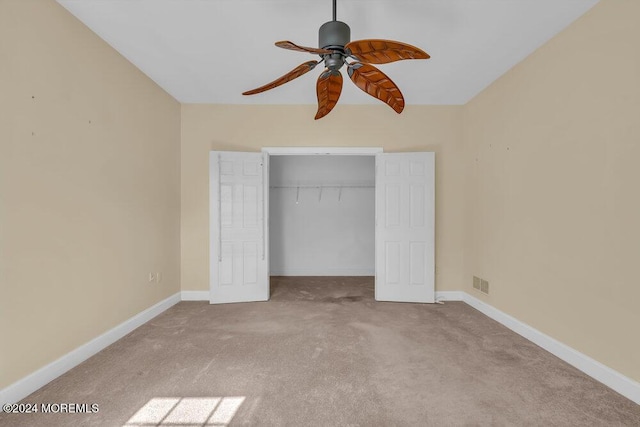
(335, 48)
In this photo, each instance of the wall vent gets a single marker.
(481, 285)
(484, 287)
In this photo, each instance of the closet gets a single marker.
(321, 211)
(321, 215)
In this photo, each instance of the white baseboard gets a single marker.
(27, 385)
(440, 296)
(596, 370)
(195, 295)
(450, 296)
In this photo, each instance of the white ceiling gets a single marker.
(210, 51)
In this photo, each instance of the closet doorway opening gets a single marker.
(322, 215)
(321, 212)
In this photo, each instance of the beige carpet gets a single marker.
(322, 352)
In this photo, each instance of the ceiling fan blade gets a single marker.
(293, 74)
(285, 44)
(377, 51)
(328, 89)
(377, 84)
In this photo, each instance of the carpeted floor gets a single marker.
(322, 352)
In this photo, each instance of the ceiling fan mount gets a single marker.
(335, 47)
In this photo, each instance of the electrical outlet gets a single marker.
(476, 282)
(152, 277)
(158, 277)
(484, 287)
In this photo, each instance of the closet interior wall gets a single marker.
(322, 215)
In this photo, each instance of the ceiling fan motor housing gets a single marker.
(334, 35)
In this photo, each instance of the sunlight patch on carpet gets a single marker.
(187, 411)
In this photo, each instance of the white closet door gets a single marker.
(405, 227)
(238, 187)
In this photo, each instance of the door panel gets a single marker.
(405, 209)
(239, 263)
(392, 262)
(392, 205)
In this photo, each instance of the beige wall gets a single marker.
(249, 128)
(553, 220)
(89, 187)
